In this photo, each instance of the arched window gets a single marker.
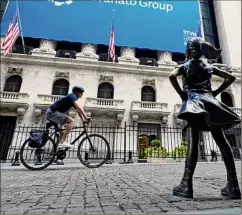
(60, 87)
(13, 84)
(148, 94)
(105, 91)
(227, 99)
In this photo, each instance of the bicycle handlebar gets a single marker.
(86, 122)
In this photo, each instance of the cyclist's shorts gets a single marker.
(56, 116)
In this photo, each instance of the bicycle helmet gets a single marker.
(77, 88)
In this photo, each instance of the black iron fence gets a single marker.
(137, 143)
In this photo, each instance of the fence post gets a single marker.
(16, 160)
(130, 157)
(125, 129)
(86, 158)
(124, 161)
(108, 161)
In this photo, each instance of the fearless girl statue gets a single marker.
(203, 112)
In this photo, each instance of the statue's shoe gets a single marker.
(231, 189)
(184, 189)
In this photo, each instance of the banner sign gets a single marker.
(158, 24)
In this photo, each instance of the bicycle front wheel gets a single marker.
(37, 158)
(95, 153)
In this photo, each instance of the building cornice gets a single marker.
(99, 66)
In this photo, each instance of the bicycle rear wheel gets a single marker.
(38, 158)
(90, 158)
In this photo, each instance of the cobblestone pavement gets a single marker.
(112, 189)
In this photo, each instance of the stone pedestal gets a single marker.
(128, 56)
(165, 57)
(47, 49)
(88, 52)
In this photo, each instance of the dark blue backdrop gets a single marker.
(145, 24)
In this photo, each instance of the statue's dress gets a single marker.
(201, 109)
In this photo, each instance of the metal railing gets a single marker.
(143, 144)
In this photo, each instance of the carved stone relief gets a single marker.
(15, 70)
(105, 78)
(21, 111)
(62, 75)
(149, 82)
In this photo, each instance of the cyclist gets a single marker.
(57, 112)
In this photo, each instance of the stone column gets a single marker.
(165, 57)
(47, 49)
(47, 45)
(128, 56)
(2, 40)
(88, 51)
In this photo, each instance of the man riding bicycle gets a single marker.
(57, 112)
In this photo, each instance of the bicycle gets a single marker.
(41, 161)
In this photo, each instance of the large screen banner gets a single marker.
(156, 24)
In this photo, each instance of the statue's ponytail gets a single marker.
(203, 48)
(209, 51)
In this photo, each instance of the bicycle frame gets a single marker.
(57, 130)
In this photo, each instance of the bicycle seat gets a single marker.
(50, 124)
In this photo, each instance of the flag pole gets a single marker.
(201, 21)
(113, 16)
(20, 26)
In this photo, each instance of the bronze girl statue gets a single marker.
(202, 111)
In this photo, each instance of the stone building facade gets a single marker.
(115, 93)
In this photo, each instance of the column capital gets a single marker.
(46, 48)
(128, 56)
(2, 39)
(88, 51)
(165, 57)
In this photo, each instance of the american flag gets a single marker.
(11, 35)
(111, 48)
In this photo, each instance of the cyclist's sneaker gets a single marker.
(64, 145)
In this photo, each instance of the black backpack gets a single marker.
(38, 138)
